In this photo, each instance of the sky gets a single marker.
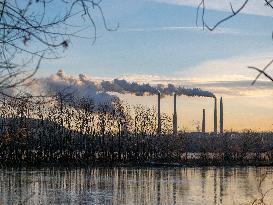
(159, 42)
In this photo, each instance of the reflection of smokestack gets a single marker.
(158, 114)
(174, 115)
(204, 121)
(215, 115)
(221, 116)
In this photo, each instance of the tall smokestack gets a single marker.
(221, 116)
(158, 114)
(174, 115)
(204, 121)
(215, 115)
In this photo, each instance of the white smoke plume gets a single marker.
(78, 88)
(83, 87)
(122, 86)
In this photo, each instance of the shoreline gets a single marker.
(135, 165)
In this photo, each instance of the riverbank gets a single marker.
(60, 135)
(69, 148)
(146, 164)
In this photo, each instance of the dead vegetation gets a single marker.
(41, 131)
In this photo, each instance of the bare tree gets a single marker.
(32, 30)
(201, 15)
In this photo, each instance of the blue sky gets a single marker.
(158, 42)
(158, 38)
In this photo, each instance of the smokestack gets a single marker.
(215, 115)
(204, 121)
(158, 114)
(221, 116)
(174, 115)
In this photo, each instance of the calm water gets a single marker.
(204, 186)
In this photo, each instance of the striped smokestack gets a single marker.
(158, 114)
(174, 115)
(215, 115)
(204, 121)
(221, 116)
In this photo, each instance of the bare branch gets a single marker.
(234, 13)
(29, 31)
(264, 69)
(261, 72)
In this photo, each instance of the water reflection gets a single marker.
(132, 185)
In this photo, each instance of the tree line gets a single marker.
(38, 131)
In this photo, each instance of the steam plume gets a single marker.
(99, 91)
(122, 86)
(80, 87)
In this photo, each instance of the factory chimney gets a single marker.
(215, 115)
(158, 114)
(174, 115)
(221, 116)
(204, 121)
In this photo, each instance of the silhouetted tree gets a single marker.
(32, 30)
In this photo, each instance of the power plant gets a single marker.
(215, 115)
(215, 122)
(221, 116)
(158, 114)
(174, 115)
(204, 121)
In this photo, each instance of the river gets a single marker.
(204, 186)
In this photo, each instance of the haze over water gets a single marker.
(218, 186)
